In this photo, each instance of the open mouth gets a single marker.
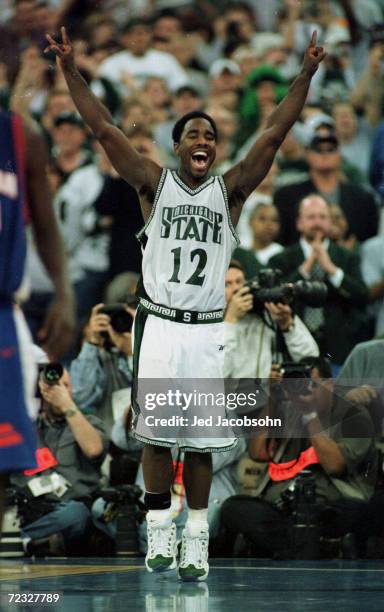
(200, 160)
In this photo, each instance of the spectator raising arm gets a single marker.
(136, 169)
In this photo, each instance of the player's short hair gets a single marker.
(181, 123)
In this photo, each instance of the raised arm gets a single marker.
(243, 178)
(136, 169)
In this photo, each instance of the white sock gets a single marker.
(197, 522)
(160, 518)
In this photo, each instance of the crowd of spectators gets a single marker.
(316, 216)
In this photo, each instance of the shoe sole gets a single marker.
(193, 578)
(161, 570)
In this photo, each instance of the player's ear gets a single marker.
(176, 146)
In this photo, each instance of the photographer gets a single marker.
(103, 368)
(321, 473)
(54, 499)
(249, 341)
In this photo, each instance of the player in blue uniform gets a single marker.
(24, 198)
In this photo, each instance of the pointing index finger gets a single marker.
(64, 36)
(314, 39)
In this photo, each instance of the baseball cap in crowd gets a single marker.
(328, 137)
(68, 117)
(316, 121)
(223, 65)
(304, 132)
(265, 72)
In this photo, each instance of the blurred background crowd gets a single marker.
(152, 61)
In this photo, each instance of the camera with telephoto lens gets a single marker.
(51, 373)
(123, 494)
(121, 319)
(299, 377)
(301, 503)
(267, 286)
(125, 508)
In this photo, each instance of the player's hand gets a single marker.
(314, 55)
(65, 57)
(280, 314)
(238, 306)
(58, 328)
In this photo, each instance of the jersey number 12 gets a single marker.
(197, 277)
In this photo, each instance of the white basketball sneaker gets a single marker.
(193, 564)
(162, 547)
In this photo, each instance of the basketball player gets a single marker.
(188, 238)
(24, 197)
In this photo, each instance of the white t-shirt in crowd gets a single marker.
(264, 255)
(152, 63)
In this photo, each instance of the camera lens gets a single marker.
(52, 373)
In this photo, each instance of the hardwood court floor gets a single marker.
(234, 585)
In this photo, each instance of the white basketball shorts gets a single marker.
(185, 360)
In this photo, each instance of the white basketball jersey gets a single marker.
(187, 242)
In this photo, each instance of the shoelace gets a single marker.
(163, 539)
(193, 550)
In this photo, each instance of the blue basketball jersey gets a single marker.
(12, 201)
(17, 437)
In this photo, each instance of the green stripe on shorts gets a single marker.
(140, 320)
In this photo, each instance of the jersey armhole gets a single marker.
(225, 196)
(160, 186)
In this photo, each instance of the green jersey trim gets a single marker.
(189, 190)
(225, 196)
(157, 196)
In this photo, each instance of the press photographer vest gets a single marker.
(290, 469)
